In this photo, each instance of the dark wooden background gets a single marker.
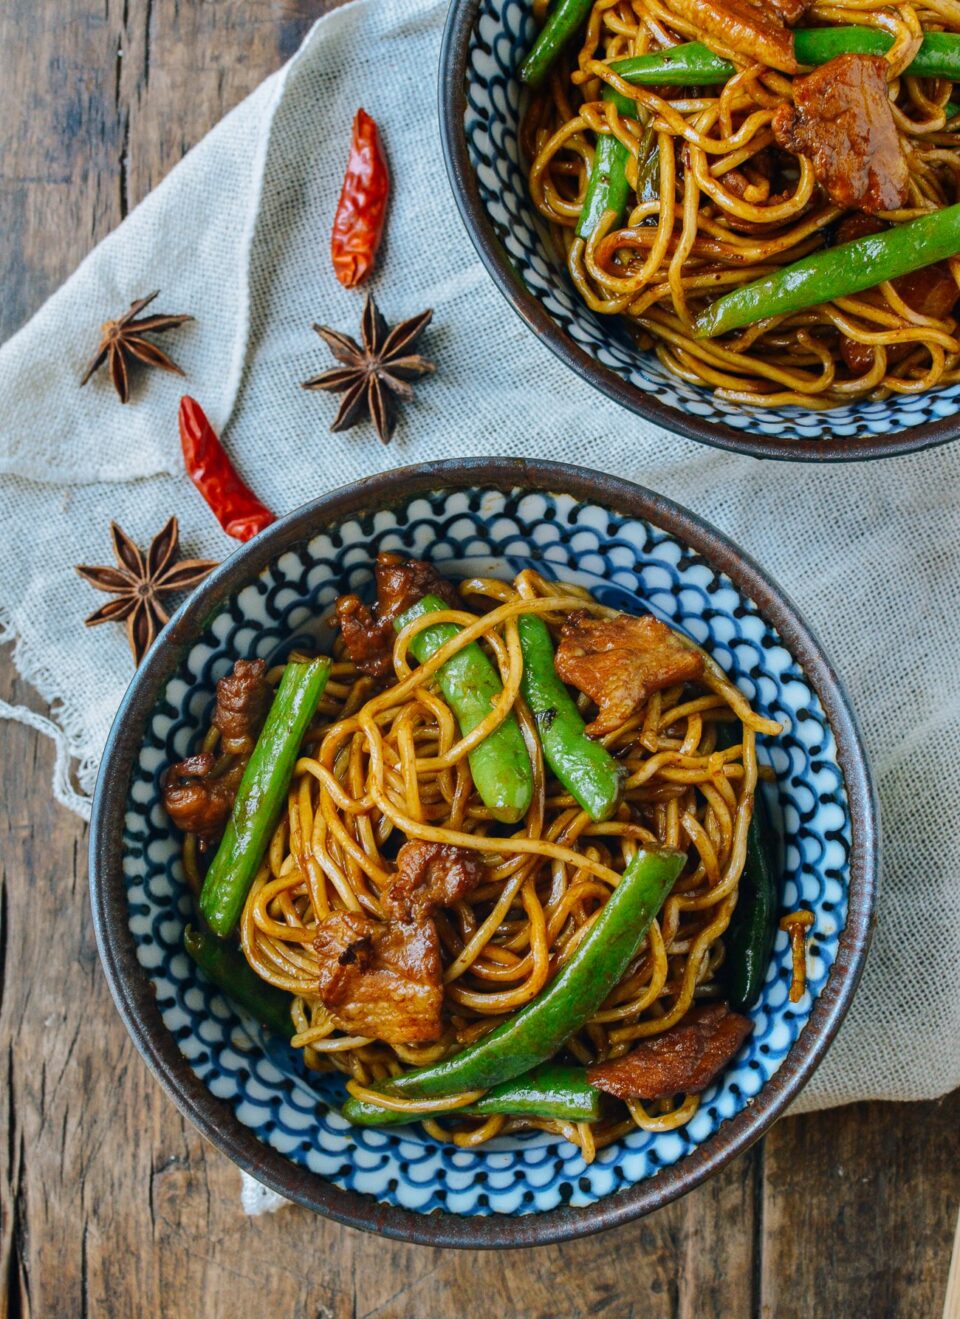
(110, 1204)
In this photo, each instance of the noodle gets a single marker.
(729, 207)
(383, 764)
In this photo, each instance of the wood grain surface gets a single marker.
(110, 1204)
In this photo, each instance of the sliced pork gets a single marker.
(196, 799)
(841, 119)
(243, 699)
(758, 32)
(430, 875)
(381, 979)
(683, 1060)
(620, 662)
(198, 792)
(368, 633)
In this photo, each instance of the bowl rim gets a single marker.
(132, 989)
(454, 51)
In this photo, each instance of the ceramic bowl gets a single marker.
(247, 1093)
(480, 107)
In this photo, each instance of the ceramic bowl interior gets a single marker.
(481, 101)
(248, 1092)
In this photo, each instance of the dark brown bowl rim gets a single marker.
(132, 990)
(839, 448)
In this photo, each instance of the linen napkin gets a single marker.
(237, 234)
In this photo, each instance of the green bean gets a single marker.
(584, 767)
(607, 186)
(565, 17)
(748, 942)
(689, 65)
(694, 65)
(537, 1031)
(470, 684)
(226, 966)
(261, 795)
(938, 56)
(836, 272)
(550, 1091)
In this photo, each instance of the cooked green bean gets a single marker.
(836, 272)
(584, 767)
(607, 186)
(694, 65)
(470, 684)
(230, 971)
(550, 1091)
(261, 795)
(565, 17)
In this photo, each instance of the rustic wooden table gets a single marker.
(110, 1204)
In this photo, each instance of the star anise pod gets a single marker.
(138, 582)
(123, 339)
(373, 376)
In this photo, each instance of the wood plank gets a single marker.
(59, 169)
(951, 1302)
(107, 97)
(859, 1206)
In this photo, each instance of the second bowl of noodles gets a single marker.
(712, 203)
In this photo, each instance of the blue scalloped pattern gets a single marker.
(628, 563)
(502, 34)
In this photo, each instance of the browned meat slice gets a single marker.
(196, 802)
(430, 875)
(841, 119)
(791, 11)
(683, 1060)
(368, 633)
(858, 225)
(198, 792)
(381, 979)
(368, 639)
(754, 30)
(931, 291)
(402, 582)
(243, 698)
(857, 356)
(620, 662)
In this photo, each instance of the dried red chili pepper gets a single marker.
(362, 208)
(234, 505)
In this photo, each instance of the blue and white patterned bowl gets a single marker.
(248, 1093)
(480, 104)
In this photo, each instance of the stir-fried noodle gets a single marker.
(715, 202)
(385, 763)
